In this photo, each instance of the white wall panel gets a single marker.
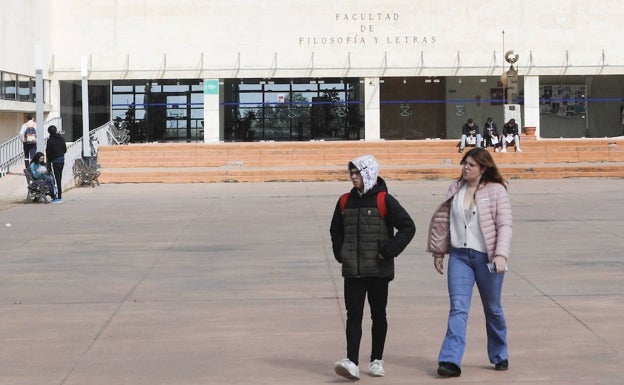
(317, 38)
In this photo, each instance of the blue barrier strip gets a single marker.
(406, 101)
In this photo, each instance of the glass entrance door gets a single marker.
(178, 127)
(160, 110)
(293, 109)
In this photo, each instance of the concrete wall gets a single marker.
(283, 38)
(23, 25)
(138, 39)
(10, 124)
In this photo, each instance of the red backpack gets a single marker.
(381, 203)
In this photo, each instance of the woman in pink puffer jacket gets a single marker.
(474, 226)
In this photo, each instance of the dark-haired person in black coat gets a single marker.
(55, 153)
(365, 243)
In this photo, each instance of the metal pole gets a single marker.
(504, 73)
(86, 149)
(39, 120)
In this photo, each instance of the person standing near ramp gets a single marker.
(55, 152)
(28, 133)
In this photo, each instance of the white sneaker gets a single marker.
(347, 369)
(376, 369)
(518, 150)
(504, 150)
(497, 149)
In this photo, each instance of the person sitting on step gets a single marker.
(490, 134)
(510, 135)
(470, 135)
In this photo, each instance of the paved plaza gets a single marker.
(233, 283)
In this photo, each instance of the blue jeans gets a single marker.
(516, 141)
(464, 137)
(465, 267)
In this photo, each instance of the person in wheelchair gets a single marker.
(40, 172)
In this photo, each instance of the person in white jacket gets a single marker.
(474, 226)
(28, 133)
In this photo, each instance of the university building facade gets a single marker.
(290, 70)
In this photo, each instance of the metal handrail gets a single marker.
(57, 121)
(11, 155)
(98, 136)
(12, 151)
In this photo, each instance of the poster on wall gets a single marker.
(565, 101)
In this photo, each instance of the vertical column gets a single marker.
(86, 149)
(372, 115)
(531, 103)
(39, 99)
(55, 101)
(211, 111)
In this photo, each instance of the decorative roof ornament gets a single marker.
(511, 58)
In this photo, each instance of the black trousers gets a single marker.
(57, 169)
(355, 292)
(29, 152)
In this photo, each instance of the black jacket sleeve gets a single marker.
(397, 218)
(336, 230)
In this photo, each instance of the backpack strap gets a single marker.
(343, 201)
(381, 203)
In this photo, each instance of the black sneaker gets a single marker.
(448, 369)
(503, 365)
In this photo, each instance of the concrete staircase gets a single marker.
(327, 160)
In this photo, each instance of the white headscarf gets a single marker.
(368, 167)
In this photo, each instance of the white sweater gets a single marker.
(465, 231)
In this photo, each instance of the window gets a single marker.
(24, 87)
(9, 86)
(292, 109)
(160, 110)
